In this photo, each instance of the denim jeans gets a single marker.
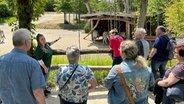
(158, 66)
(117, 60)
(166, 99)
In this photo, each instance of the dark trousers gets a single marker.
(158, 66)
(65, 102)
(117, 60)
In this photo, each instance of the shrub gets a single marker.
(87, 27)
(49, 7)
(5, 11)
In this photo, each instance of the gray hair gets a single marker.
(20, 35)
(131, 51)
(73, 54)
(140, 31)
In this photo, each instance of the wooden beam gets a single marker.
(83, 51)
(119, 19)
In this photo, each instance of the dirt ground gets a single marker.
(69, 37)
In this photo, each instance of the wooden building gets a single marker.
(106, 21)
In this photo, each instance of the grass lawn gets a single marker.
(93, 60)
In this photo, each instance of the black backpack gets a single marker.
(170, 48)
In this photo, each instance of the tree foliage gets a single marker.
(175, 16)
(26, 11)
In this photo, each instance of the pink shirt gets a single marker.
(115, 42)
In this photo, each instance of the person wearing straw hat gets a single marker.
(114, 43)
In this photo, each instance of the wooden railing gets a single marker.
(83, 52)
(55, 67)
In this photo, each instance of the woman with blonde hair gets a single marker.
(136, 73)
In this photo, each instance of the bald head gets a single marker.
(20, 36)
(160, 30)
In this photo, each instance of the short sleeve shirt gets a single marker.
(76, 90)
(161, 44)
(178, 71)
(115, 42)
(19, 76)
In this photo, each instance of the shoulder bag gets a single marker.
(124, 85)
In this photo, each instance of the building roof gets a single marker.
(105, 15)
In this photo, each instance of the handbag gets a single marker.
(176, 92)
(125, 86)
(61, 102)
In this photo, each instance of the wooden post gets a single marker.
(128, 29)
(91, 29)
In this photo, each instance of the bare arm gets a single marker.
(46, 70)
(43, 66)
(55, 41)
(93, 83)
(153, 52)
(168, 81)
(39, 95)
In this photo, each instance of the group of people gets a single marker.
(23, 80)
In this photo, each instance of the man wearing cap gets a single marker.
(115, 41)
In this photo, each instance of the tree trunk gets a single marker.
(69, 17)
(142, 13)
(24, 13)
(88, 7)
(127, 6)
(24, 16)
(65, 21)
(121, 5)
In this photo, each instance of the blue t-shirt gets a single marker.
(19, 76)
(161, 44)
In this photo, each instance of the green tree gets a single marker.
(65, 7)
(175, 16)
(27, 11)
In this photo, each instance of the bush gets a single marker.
(100, 75)
(87, 27)
(5, 11)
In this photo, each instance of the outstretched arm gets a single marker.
(51, 43)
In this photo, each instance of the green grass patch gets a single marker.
(99, 75)
(8, 20)
(51, 80)
(92, 60)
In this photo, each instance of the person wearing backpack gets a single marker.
(159, 54)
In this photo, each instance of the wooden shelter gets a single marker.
(106, 21)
